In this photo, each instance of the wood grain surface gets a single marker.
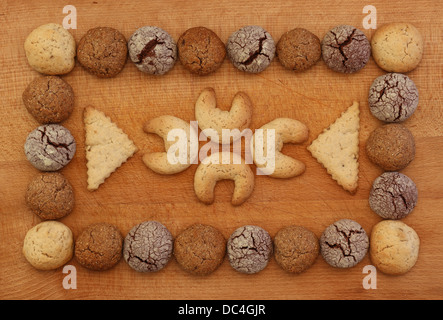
(134, 193)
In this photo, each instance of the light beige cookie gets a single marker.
(48, 245)
(394, 247)
(397, 47)
(336, 148)
(50, 49)
(107, 146)
(278, 165)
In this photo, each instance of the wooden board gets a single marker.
(134, 193)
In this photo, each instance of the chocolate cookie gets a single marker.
(345, 49)
(148, 246)
(152, 50)
(393, 195)
(200, 50)
(50, 147)
(103, 51)
(298, 49)
(49, 99)
(251, 49)
(393, 97)
(391, 147)
(200, 249)
(99, 246)
(296, 248)
(249, 249)
(344, 243)
(50, 196)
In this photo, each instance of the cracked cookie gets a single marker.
(251, 49)
(148, 247)
(50, 147)
(152, 50)
(103, 51)
(99, 246)
(49, 99)
(50, 196)
(200, 249)
(344, 243)
(393, 195)
(345, 49)
(249, 249)
(200, 50)
(393, 97)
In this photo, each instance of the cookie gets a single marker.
(99, 246)
(200, 50)
(103, 51)
(344, 243)
(249, 249)
(345, 49)
(50, 196)
(152, 50)
(251, 49)
(107, 147)
(337, 148)
(200, 249)
(295, 249)
(49, 99)
(397, 47)
(50, 147)
(393, 97)
(50, 49)
(48, 245)
(298, 49)
(393, 195)
(391, 147)
(148, 247)
(394, 247)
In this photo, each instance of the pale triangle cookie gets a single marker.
(336, 148)
(107, 146)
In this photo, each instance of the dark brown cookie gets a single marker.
(200, 249)
(391, 147)
(200, 50)
(49, 99)
(103, 51)
(99, 246)
(298, 49)
(50, 196)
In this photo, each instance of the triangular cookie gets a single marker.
(336, 148)
(107, 146)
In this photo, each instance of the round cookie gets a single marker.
(148, 246)
(397, 47)
(49, 99)
(48, 245)
(50, 196)
(200, 50)
(103, 51)
(200, 249)
(152, 50)
(249, 249)
(295, 249)
(344, 243)
(50, 147)
(393, 97)
(391, 147)
(345, 49)
(99, 246)
(251, 49)
(394, 247)
(298, 49)
(393, 195)
(50, 49)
